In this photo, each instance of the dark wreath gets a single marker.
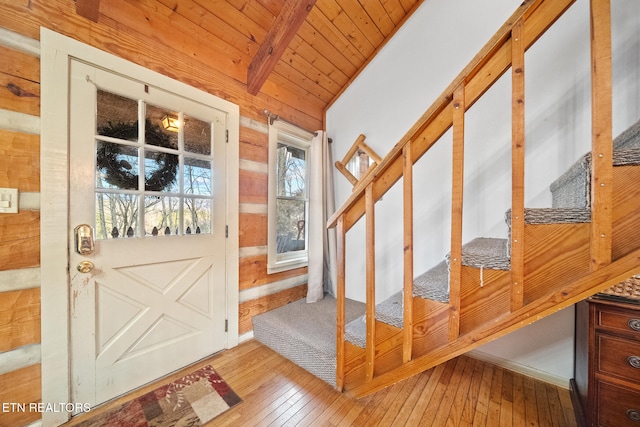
(118, 172)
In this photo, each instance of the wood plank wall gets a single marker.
(20, 233)
(259, 291)
(143, 34)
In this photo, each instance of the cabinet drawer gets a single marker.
(617, 406)
(618, 357)
(619, 321)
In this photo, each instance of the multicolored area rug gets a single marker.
(193, 400)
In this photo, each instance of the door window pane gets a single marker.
(197, 216)
(197, 136)
(197, 176)
(162, 127)
(116, 166)
(116, 215)
(161, 215)
(117, 116)
(160, 171)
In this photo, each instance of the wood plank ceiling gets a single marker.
(311, 49)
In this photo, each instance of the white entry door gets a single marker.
(147, 291)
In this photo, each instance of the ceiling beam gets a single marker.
(285, 26)
(88, 9)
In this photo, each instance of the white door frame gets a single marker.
(56, 51)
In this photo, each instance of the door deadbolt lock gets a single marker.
(84, 239)
(85, 266)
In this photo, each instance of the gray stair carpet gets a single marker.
(571, 189)
(486, 252)
(306, 333)
(482, 252)
(552, 216)
(432, 284)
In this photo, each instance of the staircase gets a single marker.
(561, 236)
(586, 242)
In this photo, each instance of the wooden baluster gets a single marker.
(340, 303)
(601, 134)
(407, 184)
(517, 165)
(370, 282)
(455, 264)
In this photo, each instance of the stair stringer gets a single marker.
(554, 301)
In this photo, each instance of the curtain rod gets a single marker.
(273, 117)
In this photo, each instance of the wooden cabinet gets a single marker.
(607, 363)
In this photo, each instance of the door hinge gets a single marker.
(226, 132)
(226, 325)
(226, 231)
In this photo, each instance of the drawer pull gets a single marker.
(634, 324)
(634, 361)
(633, 415)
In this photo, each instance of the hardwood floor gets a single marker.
(461, 392)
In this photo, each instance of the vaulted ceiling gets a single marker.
(312, 49)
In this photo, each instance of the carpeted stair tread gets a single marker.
(305, 333)
(630, 138)
(482, 252)
(486, 252)
(552, 216)
(433, 284)
(571, 189)
(355, 332)
(390, 311)
(627, 156)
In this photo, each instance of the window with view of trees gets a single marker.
(153, 170)
(288, 197)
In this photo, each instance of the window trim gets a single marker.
(282, 132)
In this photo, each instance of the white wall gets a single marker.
(406, 77)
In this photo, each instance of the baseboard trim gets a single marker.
(521, 369)
(245, 337)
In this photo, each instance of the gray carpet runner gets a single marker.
(306, 333)
(571, 190)
(482, 252)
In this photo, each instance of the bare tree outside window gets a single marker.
(291, 204)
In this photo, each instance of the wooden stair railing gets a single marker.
(505, 50)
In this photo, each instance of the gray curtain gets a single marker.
(322, 241)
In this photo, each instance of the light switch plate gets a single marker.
(8, 200)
